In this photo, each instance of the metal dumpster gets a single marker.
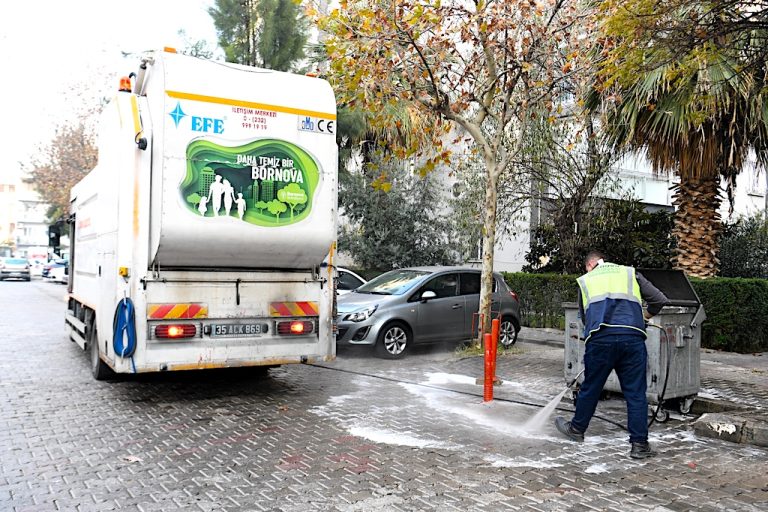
(673, 343)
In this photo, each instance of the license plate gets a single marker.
(255, 329)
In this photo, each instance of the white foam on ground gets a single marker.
(596, 469)
(373, 424)
(384, 436)
(502, 417)
(438, 379)
(521, 462)
(687, 436)
(333, 403)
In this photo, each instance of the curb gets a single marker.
(736, 429)
(547, 342)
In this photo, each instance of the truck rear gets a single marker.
(198, 240)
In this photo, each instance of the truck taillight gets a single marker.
(175, 331)
(295, 328)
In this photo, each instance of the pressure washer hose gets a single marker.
(124, 330)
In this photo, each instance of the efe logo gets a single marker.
(207, 125)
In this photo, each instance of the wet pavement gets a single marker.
(356, 434)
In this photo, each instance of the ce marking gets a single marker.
(325, 126)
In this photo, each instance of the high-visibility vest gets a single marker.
(611, 297)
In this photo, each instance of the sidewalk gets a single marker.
(733, 396)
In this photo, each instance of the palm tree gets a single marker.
(700, 122)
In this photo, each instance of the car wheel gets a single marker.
(508, 332)
(393, 341)
(99, 368)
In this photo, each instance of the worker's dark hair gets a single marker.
(593, 255)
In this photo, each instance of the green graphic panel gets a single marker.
(267, 182)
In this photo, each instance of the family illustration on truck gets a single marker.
(268, 182)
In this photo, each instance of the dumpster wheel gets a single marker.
(660, 414)
(686, 403)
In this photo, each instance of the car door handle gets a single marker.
(457, 306)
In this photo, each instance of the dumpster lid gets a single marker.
(674, 284)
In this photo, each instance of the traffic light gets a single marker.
(54, 236)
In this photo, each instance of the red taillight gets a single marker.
(514, 296)
(175, 331)
(295, 327)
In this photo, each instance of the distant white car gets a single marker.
(59, 275)
(347, 281)
(36, 267)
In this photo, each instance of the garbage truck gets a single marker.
(204, 236)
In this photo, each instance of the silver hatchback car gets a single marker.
(418, 305)
(14, 268)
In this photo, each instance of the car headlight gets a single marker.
(361, 316)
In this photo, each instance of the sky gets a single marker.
(59, 57)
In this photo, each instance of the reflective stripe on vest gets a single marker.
(609, 281)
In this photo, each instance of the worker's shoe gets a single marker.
(567, 430)
(641, 451)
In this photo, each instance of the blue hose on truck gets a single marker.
(124, 330)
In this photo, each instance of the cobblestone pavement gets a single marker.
(356, 434)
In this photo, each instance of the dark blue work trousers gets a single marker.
(625, 353)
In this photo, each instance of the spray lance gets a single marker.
(570, 384)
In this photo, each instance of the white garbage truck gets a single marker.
(204, 236)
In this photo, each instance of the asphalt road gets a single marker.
(357, 434)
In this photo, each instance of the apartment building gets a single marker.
(23, 225)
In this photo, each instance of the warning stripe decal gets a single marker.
(293, 309)
(176, 311)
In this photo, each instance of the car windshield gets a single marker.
(396, 282)
(15, 261)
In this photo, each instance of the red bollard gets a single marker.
(488, 383)
(495, 328)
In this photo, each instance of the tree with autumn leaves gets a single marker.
(69, 156)
(475, 72)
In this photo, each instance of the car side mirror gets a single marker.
(429, 294)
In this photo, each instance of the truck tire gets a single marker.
(393, 340)
(99, 368)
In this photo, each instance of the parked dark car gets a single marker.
(422, 305)
(58, 262)
(15, 268)
(347, 281)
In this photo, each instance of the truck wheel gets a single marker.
(393, 341)
(99, 369)
(508, 332)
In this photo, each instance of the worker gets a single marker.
(610, 307)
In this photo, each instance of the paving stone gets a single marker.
(359, 433)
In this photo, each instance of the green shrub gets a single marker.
(542, 296)
(737, 313)
(744, 248)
